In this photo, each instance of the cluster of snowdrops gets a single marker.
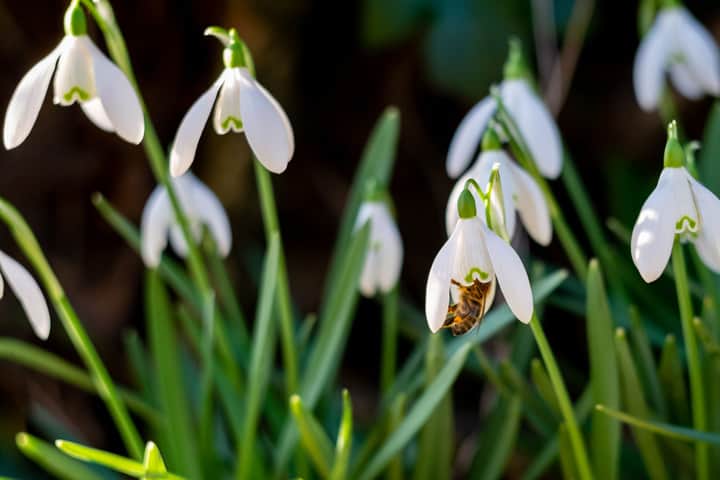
(502, 154)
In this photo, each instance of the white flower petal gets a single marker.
(649, 66)
(96, 113)
(28, 293)
(698, 50)
(210, 212)
(468, 136)
(536, 125)
(383, 262)
(177, 240)
(183, 150)
(119, 99)
(684, 82)
(707, 242)
(471, 258)
(511, 276)
(227, 114)
(654, 231)
(156, 219)
(391, 252)
(74, 78)
(267, 128)
(532, 206)
(28, 97)
(438, 283)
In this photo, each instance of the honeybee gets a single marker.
(468, 312)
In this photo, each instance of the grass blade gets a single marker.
(419, 413)
(261, 359)
(343, 445)
(182, 449)
(332, 336)
(604, 379)
(312, 436)
(49, 458)
(497, 439)
(646, 362)
(671, 431)
(376, 163)
(672, 380)
(634, 401)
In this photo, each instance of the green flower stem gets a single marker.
(522, 154)
(74, 328)
(697, 388)
(270, 219)
(103, 14)
(389, 340)
(566, 407)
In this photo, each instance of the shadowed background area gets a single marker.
(334, 66)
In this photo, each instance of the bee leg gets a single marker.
(456, 283)
(450, 317)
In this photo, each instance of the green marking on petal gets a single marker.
(236, 123)
(483, 275)
(685, 223)
(77, 93)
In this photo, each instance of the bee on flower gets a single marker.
(470, 263)
(202, 208)
(679, 45)
(83, 74)
(534, 121)
(679, 209)
(242, 105)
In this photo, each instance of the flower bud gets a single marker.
(75, 23)
(674, 153)
(466, 205)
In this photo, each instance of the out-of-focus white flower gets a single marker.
(520, 192)
(201, 207)
(678, 206)
(676, 43)
(84, 75)
(472, 252)
(534, 120)
(384, 257)
(242, 105)
(28, 293)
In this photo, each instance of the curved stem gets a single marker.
(74, 328)
(697, 389)
(566, 407)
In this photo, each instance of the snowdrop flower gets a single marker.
(679, 44)
(475, 252)
(383, 260)
(520, 191)
(679, 206)
(533, 119)
(28, 293)
(84, 75)
(242, 105)
(201, 207)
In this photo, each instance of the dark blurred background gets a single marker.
(334, 66)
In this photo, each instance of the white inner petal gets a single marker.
(74, 78)
(227, 108)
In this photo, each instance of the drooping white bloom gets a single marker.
(28, 293)
(534, 120)
(520, 191)
(676, 43)
(201, 207)
(679, 205)
(473, 251)
(242, 105)
(84, 75)
(384, 257)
